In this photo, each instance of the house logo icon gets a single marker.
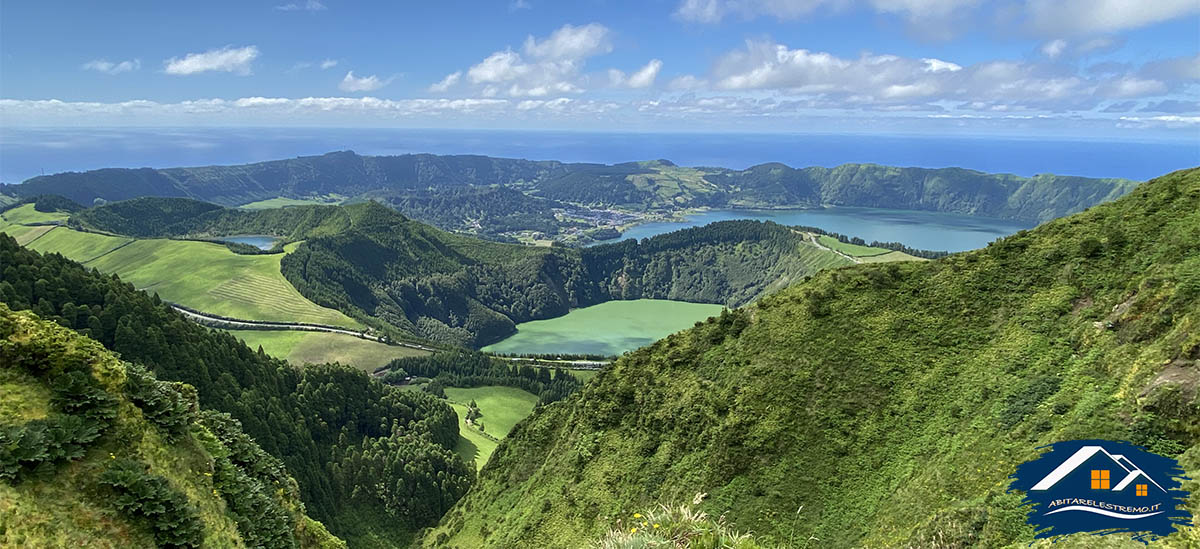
(1102, 487)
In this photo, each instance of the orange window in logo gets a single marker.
(1141, 489)
(1100, 479)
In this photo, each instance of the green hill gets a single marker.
(95, 452)
(499, 195)
(336, 430)
(394, 273)
(880, 404)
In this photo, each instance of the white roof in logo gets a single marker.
(1132, 472)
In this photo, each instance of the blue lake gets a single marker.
(918, 229)
(260, 242)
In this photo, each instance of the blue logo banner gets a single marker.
(1103, 487)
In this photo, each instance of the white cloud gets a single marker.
(108, 67)
(552, 65)
(1054, 48)
(937, 65)
(687, 82)
(642, 78)
(328, 64)
(918, 9)
(645, 76)
(309, 5)
(713, 11)
(945, 18)
(1061, 48)
(519, 5)
(570, 42)
(446, 83)
(227, 59)
(353, 83)
(873, 81)
(286, 111)
(1061, 17)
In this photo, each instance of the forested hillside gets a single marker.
(415, 184)
(881, 404)
(396, 273)
(95, 452)
(336, 430)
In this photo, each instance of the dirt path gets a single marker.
(812, 238)
(222, 322)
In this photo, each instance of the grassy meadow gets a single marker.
(854, 250)
(281, 202)
(300, 347)
(26, 215)
(608, 328)
(201, 275)
(501, 409)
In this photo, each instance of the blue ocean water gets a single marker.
(28, 152)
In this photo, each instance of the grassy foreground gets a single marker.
(300, 347)
(201, 275)
(129, 461)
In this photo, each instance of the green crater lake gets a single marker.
(606, 329)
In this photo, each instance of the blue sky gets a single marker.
(1080, 68)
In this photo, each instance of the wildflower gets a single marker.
(656, 526)
(111, 456)
(637, 515)
(633, 530)
(644, 524)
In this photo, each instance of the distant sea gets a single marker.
(25, 153)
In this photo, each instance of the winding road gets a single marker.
(223, 322)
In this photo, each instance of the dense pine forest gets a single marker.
(332, 426)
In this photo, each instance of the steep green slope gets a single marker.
(888, 403)
(95, 452)
(336, 430)
(417, 181)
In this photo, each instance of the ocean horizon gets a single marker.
(28, 152)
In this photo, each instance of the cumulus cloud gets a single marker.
(713, 11)
(353, 83)
(1054, 48)
(227, 59)
(570, 42)
(642, 78)
(108, 67)
(548, 66)
(310, 5)
(885, 81)
(446, 83)
(1068, 17)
